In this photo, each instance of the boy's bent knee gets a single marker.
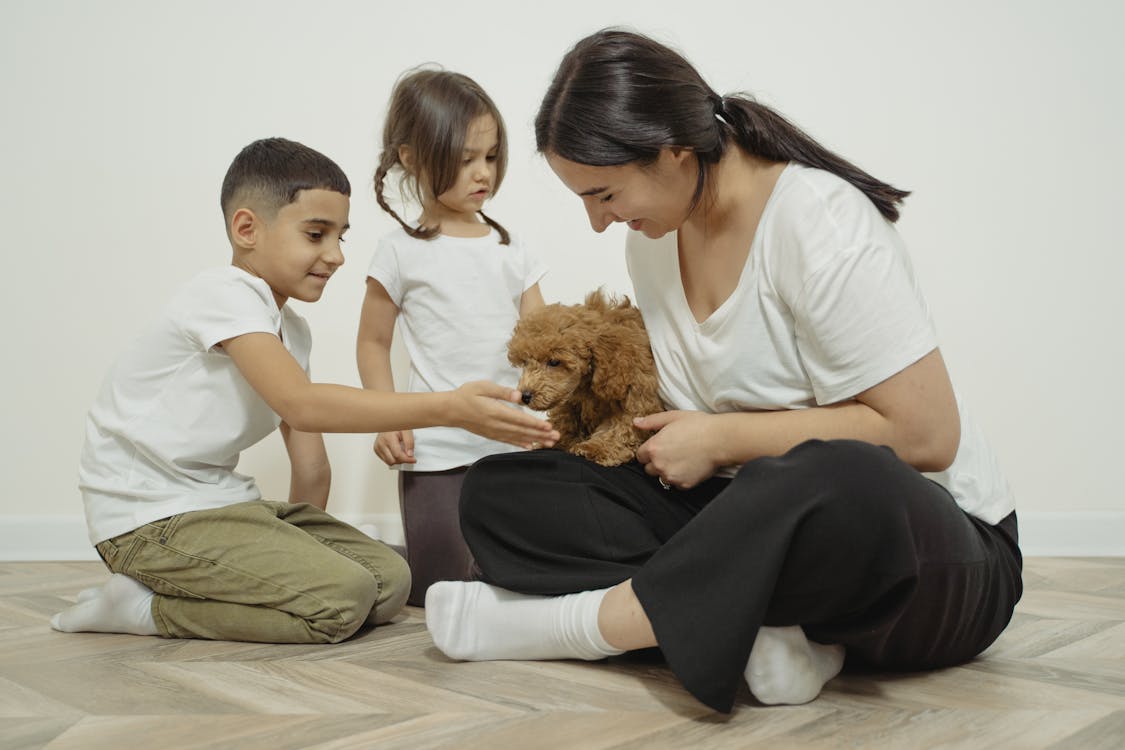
(395, 580)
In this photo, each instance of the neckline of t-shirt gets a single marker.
(492, 236)
(722, 312)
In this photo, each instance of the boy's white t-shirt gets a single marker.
(826, 307)
(458, 301)
(164, 434)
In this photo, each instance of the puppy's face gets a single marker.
(550, 380)
(551, 348)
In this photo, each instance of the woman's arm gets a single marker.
(914, 412)
(311, 474)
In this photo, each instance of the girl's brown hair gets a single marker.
(430, 113)
(619, 97)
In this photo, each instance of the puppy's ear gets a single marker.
(621, 355)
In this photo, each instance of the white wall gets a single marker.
(1005, 118)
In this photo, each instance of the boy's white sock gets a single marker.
(474, 621)
(123, 605)
(785, 667)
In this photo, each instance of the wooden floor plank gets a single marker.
(1055, 678)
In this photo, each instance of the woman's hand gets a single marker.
(395, 448)
(680, 452)
(477, 407)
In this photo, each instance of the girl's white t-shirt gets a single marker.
(458, 301)
(165, 431)
(826, 307)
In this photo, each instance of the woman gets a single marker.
(816, 487)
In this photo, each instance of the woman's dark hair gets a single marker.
(619, 97)
(430, 112)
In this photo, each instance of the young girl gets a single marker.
(460, 282)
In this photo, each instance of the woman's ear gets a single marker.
(675, 155)
(244, 227)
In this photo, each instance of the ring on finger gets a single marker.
(664, 483)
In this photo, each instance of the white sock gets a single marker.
(86, 595)
(474, 621)
(123, 605)
(785, 667)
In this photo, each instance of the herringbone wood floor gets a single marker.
(1056, 678)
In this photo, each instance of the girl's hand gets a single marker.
(680, 452)
(476, 407)
(395, 448)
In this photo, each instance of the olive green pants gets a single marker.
(261, 571)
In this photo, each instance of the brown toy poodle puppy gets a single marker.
(590, 368)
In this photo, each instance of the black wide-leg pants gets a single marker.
(840, 537)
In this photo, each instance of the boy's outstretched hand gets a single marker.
(475, 408)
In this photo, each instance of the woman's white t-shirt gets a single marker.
(458, 300)
(826, 307)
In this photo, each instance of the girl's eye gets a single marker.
(315, 236)
(607, 198)
(491, 157)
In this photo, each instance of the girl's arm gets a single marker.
(321, 407)
(373, 343)
(373, 356)
(531, 300)
(914, 412)
(311, 474)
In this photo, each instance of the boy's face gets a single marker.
(299, 249)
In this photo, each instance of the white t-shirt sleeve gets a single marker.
(859, 319)
(384, 268)
(534, 269)
(214, 308)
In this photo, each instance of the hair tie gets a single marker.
(719, 103)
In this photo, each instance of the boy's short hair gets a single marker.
(268, 174)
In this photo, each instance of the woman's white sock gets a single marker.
(123, 605)
(474, 621)
(786, 668)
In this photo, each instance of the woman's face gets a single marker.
(654, 199)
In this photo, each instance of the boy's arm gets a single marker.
(531, 300)
(373, 343)
(311, 475)
(272, 371)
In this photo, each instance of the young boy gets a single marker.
(195, 551)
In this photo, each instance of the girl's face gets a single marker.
(477, 177)
(654, 199)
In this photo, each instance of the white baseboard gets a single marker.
(1042, 534)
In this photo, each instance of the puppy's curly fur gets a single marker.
(590, 367)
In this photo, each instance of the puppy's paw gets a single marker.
(600, 452)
